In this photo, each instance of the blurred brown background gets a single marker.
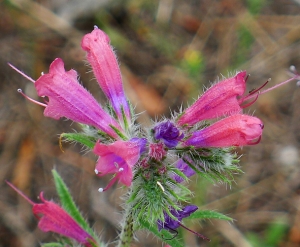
(168, 50)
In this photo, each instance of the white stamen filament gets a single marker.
(30, 99)
(160, 185)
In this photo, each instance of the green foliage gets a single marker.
(169, 238)
(193, 63)
(88, 141)
(255, 6)
(216, 165)
(53, 245)
(207, 214)
(68, 203)
(245, 41)
(273, 235)
(154, 192)
(164, 235)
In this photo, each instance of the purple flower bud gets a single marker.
(169, 134)
(172, 224)
(185, 168)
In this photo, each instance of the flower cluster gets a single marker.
(154, 163)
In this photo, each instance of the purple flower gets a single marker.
(168, 133)
(184, 168)
(172, 224)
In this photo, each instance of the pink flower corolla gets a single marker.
(106, 70)
(52, 218)
(235, 130)
(68, 98)
(118, 158)
(219, 100)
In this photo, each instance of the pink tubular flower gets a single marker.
(118, 158)
(235, 130)
(52, 218)
(106, 69)
(67, 98)
(219, 100)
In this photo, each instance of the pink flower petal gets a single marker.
(236, 130)
(67, 98)
(219, 100)
(54, 219)
(106, 69)
(118, 158)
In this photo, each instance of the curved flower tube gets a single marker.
(67, 98)
(52, 218)
(236, 130)
(106, 69)
(118, 158)
(219, 100)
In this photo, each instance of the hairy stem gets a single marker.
(127, 230)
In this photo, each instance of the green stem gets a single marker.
(127, 230)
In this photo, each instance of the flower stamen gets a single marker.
(196, 233)
(30, 99)
(21, 73)
(113, 180)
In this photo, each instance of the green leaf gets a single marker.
(84, 139)
(164, 235)
(53, 245)
(207, 214)
(275, 233)
(68, 203)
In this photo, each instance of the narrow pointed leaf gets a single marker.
(207, 214)
(68, 203)
(83, 139)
